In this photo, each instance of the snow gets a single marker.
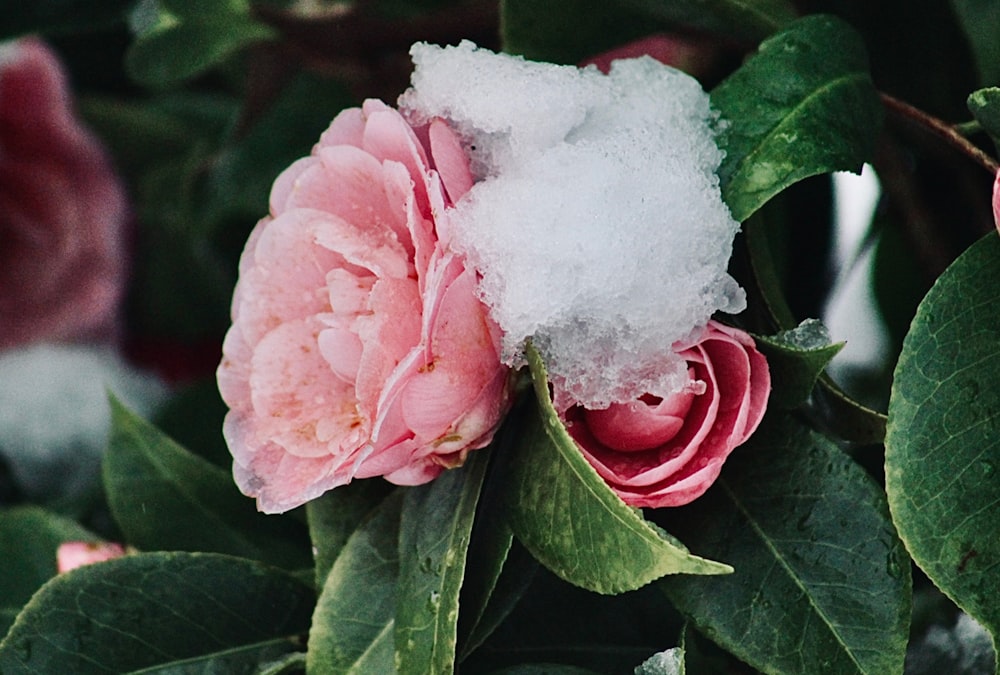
(596, 222)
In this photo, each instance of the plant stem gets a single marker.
(943, 130)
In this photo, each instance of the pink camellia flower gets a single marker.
(667, 452)
(359, 347)
(62, 209)
(73, 554)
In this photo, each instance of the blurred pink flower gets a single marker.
(62, 209)
(73, 554)
(358, 346)
(667, 452)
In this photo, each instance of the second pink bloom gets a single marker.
(668, 452)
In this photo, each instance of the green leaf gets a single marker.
(246, 659)
(177, 48)
(985, 107)
(822, 582)
(153, 609)
(29, 537)
(352, 627)
(487, 604)
(803, 105)
(980, 21)
(335, 516)
(796, 358)
(497, 570)
(943, 437)
(848, 418)
(435, 527)
(570, 31)
(59, 16)
(166, 498)
(738, 19)
(572, 522)
(193, 417)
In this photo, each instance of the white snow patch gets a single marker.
(596, 222)
(55, 417)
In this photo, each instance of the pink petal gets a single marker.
(389, 333)
(347, 128)
(638, 425)
(464, 360)
(450, 160)
(73, 554)
(298, 401)
(996, 200)
(286, 185)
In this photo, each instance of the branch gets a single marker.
(947, 132)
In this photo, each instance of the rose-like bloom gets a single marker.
(359, 347)
(62, 209)
(73, 554)
(667, 452)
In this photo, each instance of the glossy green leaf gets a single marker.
(572, 522)
(29, 537)
(803, 105)
(166, 498)
(796, 358)
(822, 582)
(353, 625)
(980, 21)
(334, 516)
(984, 105)
(178, 48)
(59, 16)
(153, 609)
(434, 536)
(943, 437)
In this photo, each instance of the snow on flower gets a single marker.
(597, 222)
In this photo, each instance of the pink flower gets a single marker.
(73, 554)
(691, 55)
(667, 452)
(358, 346)
(996, 200)
(62, 209)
